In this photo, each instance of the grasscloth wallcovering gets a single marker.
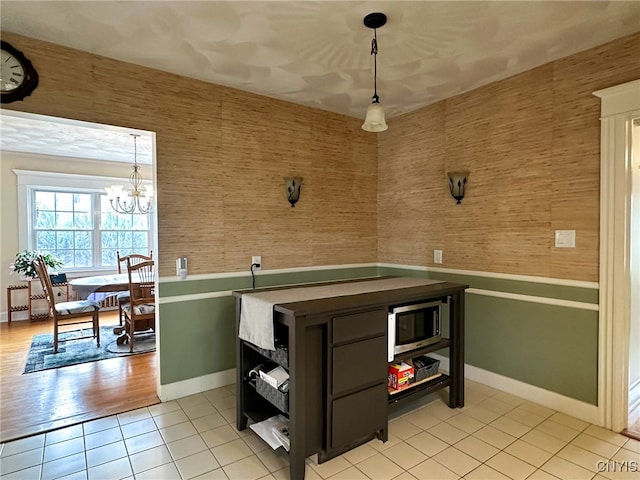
(221, 158)
(532, 145)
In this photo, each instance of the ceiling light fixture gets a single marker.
(141, 196)
(374, 121)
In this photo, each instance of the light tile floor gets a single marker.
(496, 436)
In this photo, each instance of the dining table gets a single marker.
(92, 288)
(114, 282)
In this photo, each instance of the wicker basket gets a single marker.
(273, 395)
(279, 355)
(429, 370)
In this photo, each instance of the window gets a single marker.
(77, 224)
(119, 232)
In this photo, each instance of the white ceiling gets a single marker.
(317, 53)
(44, 135)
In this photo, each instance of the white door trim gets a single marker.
(619, 106)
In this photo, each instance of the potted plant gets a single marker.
(24, 263)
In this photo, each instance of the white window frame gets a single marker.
(29, 180)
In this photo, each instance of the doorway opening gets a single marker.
(633, 422)
(56, 149)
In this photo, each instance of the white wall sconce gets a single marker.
(293, 185)
(457, 181)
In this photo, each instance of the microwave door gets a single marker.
(406, 328)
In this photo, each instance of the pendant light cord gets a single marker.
(374, 52)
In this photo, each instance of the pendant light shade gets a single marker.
(374, 120)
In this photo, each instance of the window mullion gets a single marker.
(97, 242)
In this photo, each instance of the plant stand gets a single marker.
(32, 296)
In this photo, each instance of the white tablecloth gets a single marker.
(85, 286)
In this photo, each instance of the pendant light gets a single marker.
(374, 121)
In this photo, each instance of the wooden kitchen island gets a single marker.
(335, 351)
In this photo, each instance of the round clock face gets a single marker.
(11, 72)
(18, 78)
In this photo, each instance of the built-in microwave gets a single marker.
(413, 326)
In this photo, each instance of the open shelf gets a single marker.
(397, 398)
(262, 407)
(425, 388)
(444, 343)
(279, 356)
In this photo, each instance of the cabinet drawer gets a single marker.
(358, 364)
(358, 415)
(359, 325)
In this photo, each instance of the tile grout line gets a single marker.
(185, 407)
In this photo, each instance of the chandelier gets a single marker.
(374, 121)
(139, 198)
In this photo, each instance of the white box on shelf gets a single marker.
(275, 377)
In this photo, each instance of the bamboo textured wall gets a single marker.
(221, 158)
(532, 145)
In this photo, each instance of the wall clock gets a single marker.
(18, 78)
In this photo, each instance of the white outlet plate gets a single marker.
(437, 256)
(258, 260)
(565, 239)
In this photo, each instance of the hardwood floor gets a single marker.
(47, 400)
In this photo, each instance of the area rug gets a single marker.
(41, 356)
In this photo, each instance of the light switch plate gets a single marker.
(565, 239)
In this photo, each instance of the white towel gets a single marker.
(256, 321)
(256, 309)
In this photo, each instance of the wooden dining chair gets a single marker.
(135, 258)
(67, 313)
(140, 311)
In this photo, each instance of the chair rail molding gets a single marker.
(620, 105)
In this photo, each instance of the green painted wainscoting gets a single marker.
(197, 337)
(554, 347)
(551, 347)
(197, 332)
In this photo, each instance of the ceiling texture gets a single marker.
(317, 53)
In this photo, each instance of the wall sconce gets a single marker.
(457, 181)
(293, 185)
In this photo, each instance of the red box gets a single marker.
(400, 375)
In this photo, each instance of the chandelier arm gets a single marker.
(121, 207)
(142, 209)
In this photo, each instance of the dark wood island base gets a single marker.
(335, 351)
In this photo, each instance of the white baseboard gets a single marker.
(15, 316)
(191, 386)
(569, 406)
